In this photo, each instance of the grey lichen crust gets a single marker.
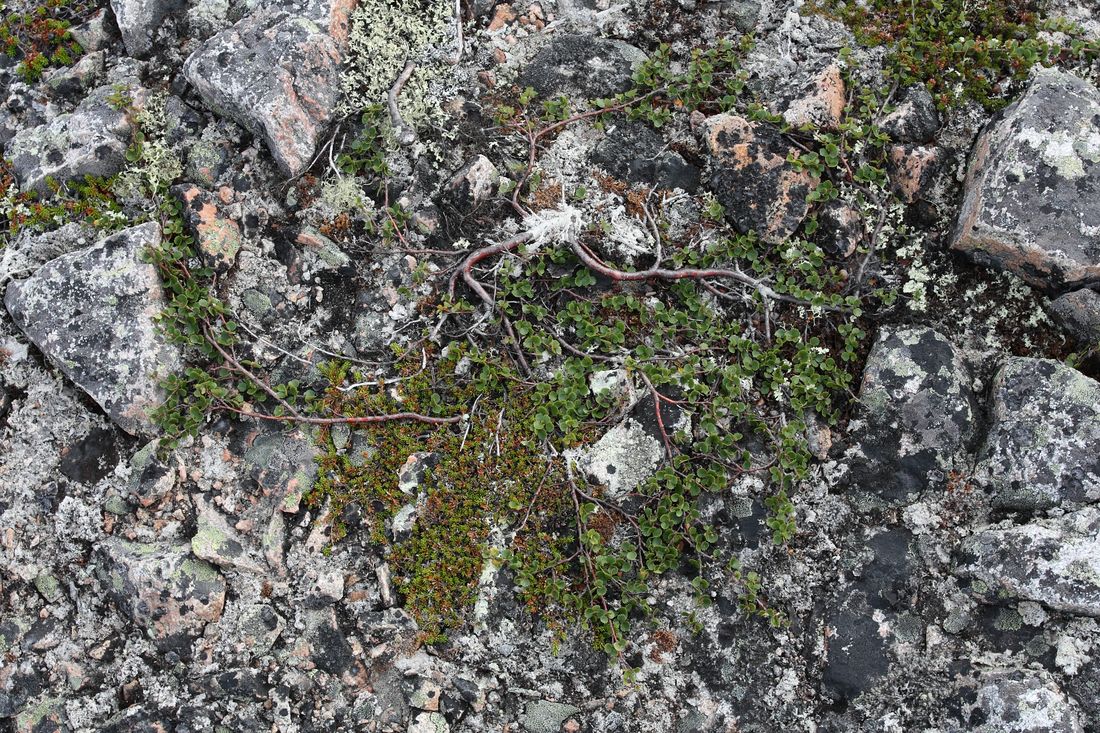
(1041, 449)
(92, 313)
(1045, 148)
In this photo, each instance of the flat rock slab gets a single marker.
(1041, 449)
(1055, 562)
(580, 66)
(278, 75)
(915, 419)
(92, 313)
(1032, 183)
(164, 589)
(751, 178)
(90, 140)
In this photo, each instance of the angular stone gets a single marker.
(914, 120)
(1079, 313)
(1041, 449)
(278, 75)
(476, 181)
(543, 716)
(1055, 562)
(283, 464)
(822, 102)
(216, 542)
(916, 415)
(623, 458)
(913, 168)
(1023, 701)
(138, 21)
(752, 179)
(1029, 191)
(163, 589)
(91, 312)
(217, 237)
(90, 140)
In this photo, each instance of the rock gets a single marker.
(283, 464)
(47, 716)
(1079, 313)
(581, 67)
(90, 140)
(73, 81)
(1055, 562)
(278, 75)
(217, 237)
(91, 312)
(841, 229)
(163, 589)
(138, 21)
(543, 716)
(217, 542)
(413, 472)
(1032, 176)
(1041, 447)
(624, 458)
(91, 458)
(150, 479)
(752, 179)
(744, 13)
(96, 33)
(913, 168)
(1022, 701)
(915, 418)
(477, 181)
(429, 723)
(1084, 686)
(821, 103)
(385, 585)
(635, 152)
(29, 250)
(915, 119)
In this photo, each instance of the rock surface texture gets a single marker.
(92, 313)
(1028, 171)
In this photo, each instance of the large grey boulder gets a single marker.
(163, 589)
(92, 313)
(1041, 449)
(138, 21)
(90, 140)
(915, 419)
(1031, 185)
(1054, 561)
(278, 75)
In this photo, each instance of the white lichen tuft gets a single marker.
(560, 225)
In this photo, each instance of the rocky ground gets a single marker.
(169, 564)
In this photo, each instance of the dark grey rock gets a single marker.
(1023, 701)
(841, 229)
(150, 478)
(91, 312)
(90, 140)
(1084, 686)
(581, 67)
(283, 464)
(915, 418)
(278, 75)
(1041, 449)
(1079, 313)
(90, 458)
(163, 589)
(138, 21)
(635, 152)
(1055, 562)
(1033, 175)
(98, 32)
(744, 13)
(751, 178)
(914, 120)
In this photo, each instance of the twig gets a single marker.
(460, 44)
(360, 420)
(405, 134)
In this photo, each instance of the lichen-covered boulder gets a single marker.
(163, 589)
(138, 21)
(1079, 313)
(92, 313)
(277, 74)
(1041, 449)
(217, 237)
(915, 419)
(1055, 562)
(751, 178)
(1023, 701)
(1032, 181)
(90, 140)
